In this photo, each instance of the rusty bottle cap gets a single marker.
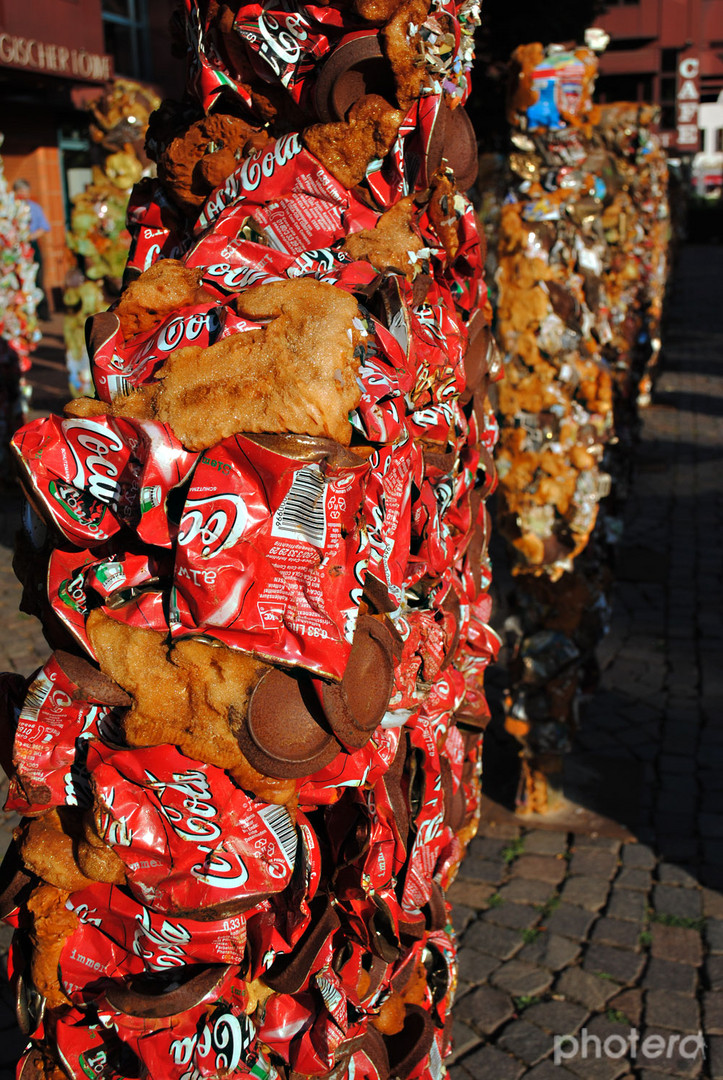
(281, 736)
(356, 67)
(377, 595)
(375, 1049)
(412, 1044)
(140, 996)
(92, 684)
(288, 974)
(453, 140)
(378, 971)
(356, 705)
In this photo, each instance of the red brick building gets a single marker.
(647, 38)
(52, 54)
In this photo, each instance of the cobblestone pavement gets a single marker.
(564, 932)
(570, 933)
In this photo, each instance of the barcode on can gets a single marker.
(302, 513)
(36, 696)
(118, 386)
(278, 822)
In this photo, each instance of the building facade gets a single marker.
(648, 41)
(54, 55)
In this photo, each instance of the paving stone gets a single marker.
(471, 894)
(540, 868)
(521, 979)
(596, 1031)
(594, 862)
(464, 1039)
(715, 1056)
(487, 847)
(667, 975)
(545, 843)
(630, 1004)
(455, 1072)
(526, 891)
(621, 965)
(587, 892)
(475, 967)
(638, 856)
(557, 1017)
(668, 1009)
(712, 903)
(570, 921)
(714, 972)
(491, 1064)
(713, 1012)
(493, 940)
(547, 1070)
(484, 1009)
(514, 916)
(682, 903)
(617, 932)
(577, 985)
(666, 1057)
(462, 916)
(676, 943)
(670, 874)
(630, 877)
(626, 904)
(474, 869)
(500, 830)
(525, 1041)
(714, 935)
(551, 951)
(604, 1069)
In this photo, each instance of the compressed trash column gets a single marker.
(250, 769)
(98, 236)
(554, 403)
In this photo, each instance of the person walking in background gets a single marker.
(38, 226)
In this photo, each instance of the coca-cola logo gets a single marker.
(187, 803)
(235, 278)
(249, 175)
(221, 1045)
(94, 447)
(163, 946)
(215, 523)
(280, 42)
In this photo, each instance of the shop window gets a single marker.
(125, 28)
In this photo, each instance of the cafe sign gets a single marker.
(687, 101)
(29, 54)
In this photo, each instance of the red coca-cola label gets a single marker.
(297, 203)
(51, 743)
(159, 943)
(88, 474)
(120, 366)
(77, 578)
(387, 509)
(174, 823)
(271, 556)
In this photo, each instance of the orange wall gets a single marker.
(40, 165)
